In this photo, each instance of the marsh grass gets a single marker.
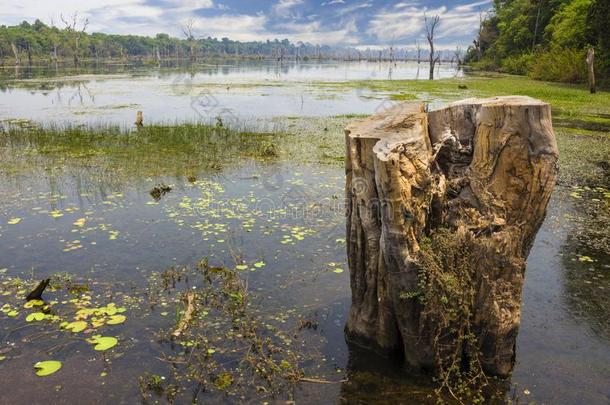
(229, 347)
(151, 150)
(567, 101)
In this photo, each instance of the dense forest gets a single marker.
(28, 42)
(545, 39)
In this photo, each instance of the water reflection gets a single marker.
(587, 285)
(241, 89)
(585, 258)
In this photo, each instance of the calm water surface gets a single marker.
(92, 216)
(232, 90)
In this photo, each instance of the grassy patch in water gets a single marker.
(568, 101)
(222, 343)
(152, 150)
(583, 157)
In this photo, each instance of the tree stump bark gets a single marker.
(591, 68)
(479, 172)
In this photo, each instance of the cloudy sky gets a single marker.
(361, 23)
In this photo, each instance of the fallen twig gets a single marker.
(188, 315)
(315, 380)
(36, 294)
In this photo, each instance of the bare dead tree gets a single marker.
(418, 47)
(457, 55)
(591, 64)
(431, 26)
(72, 24)
(54, 38)
(15, 53)
(392, 50)
(537, 23)
(187, 29)
(477, 41)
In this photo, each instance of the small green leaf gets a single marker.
(260, 264)
(338, 270)
(104, 343)
(35, 316)
(33, 303)
(116, 319)
(77, 326)
(14, 221)
(44, 368)
(242, 267)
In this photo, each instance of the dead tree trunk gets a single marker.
(591, 65)
(15, 54)
(430, 30)
(478, 173)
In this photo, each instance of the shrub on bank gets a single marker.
(518, 65)
(559, 65)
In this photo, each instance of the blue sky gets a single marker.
(359, 23)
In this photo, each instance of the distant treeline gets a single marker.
(545, 39)
(26, 43)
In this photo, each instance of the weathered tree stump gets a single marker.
(443, 208)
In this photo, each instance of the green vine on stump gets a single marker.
(446, 289)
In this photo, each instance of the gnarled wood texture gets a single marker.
(485, 169)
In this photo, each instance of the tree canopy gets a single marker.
(547, 39)
(39, 40)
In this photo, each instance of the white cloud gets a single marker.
(17, 10)
(350, 9)
(283, 8)
(299, 27)
(400, 22)
(405, 5)
(191, 4)
(241, 27)
(345, 35)
(406, 20)
(473, 6)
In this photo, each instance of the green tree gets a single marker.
(568, 27)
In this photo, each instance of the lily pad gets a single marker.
(35, 316)
(44, 368)
(104, 342)
(260, 264)
(116, 319)
(77, 326)
(241, 267)
(33, 303)
(14, 221)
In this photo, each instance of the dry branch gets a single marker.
(188, 315)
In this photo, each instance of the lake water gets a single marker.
(83, 207)
(234, 91)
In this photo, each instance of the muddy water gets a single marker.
(232, 90)
(92, 218)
